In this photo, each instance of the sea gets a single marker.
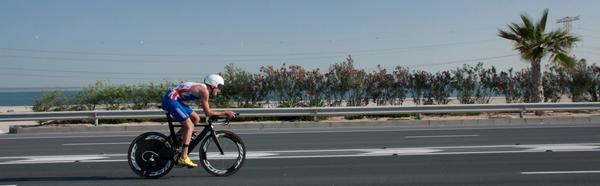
(27, 97)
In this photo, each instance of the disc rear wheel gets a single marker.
(150, 155)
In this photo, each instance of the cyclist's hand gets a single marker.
(230, 114)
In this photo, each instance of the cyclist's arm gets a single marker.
(204, 95)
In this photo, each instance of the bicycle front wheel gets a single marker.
(227, 163)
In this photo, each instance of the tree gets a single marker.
(533, 44)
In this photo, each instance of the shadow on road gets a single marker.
(88, 178)
(83, 178)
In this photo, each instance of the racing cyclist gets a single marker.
(173, 102)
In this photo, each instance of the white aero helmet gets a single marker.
(214, 80)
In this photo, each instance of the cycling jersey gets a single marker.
(182, 91)
(172, 101)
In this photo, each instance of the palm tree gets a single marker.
(533, 44)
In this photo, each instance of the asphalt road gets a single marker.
(515, 155)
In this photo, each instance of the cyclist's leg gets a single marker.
(187, 127)
(181, 113)
(195, 117)
(192, 115)
(195, 120)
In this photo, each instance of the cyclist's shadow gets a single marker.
(83, 178)
(80, 178)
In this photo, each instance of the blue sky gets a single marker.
(62, 43)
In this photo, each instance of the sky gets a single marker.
(74, 43)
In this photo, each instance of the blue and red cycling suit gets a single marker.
(173, 101)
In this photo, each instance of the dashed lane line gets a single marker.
(444, 136)
(562, 172)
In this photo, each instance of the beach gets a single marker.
(6, 109)
(4, 126)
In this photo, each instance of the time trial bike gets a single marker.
(153, 154)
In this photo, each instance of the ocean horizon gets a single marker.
(40, 89)
(27, 97)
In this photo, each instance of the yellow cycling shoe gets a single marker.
(186, 163)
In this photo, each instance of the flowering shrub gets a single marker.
(244, 88)
(400, 86)
(342, 80)
(358, 88)
(581, 82)
(441, 87)
(476, 84)
(315, 88)
(286, 83)
(524, 84)
(102, 95)
(555, 82)
(594, 90)
(345, 85)
(488, 79)
(379, 86)
(509, 86)
(50, 101)
(420, 85)
(465, 82)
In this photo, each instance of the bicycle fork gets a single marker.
(214, 137)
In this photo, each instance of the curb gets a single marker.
(18, 129)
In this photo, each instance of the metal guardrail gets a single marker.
(309, 111)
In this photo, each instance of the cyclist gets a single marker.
(172, 102)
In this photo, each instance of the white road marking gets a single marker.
(562, 172)
(83, 144)
(559, 147)
(316, 131)
(66, 156)
(56, 159)
(12, 137)
(331, 153)
(444, 136)
(399, 151)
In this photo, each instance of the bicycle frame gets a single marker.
(208, 131)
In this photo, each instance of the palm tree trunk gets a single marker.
(536, 78)
(538, 89)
